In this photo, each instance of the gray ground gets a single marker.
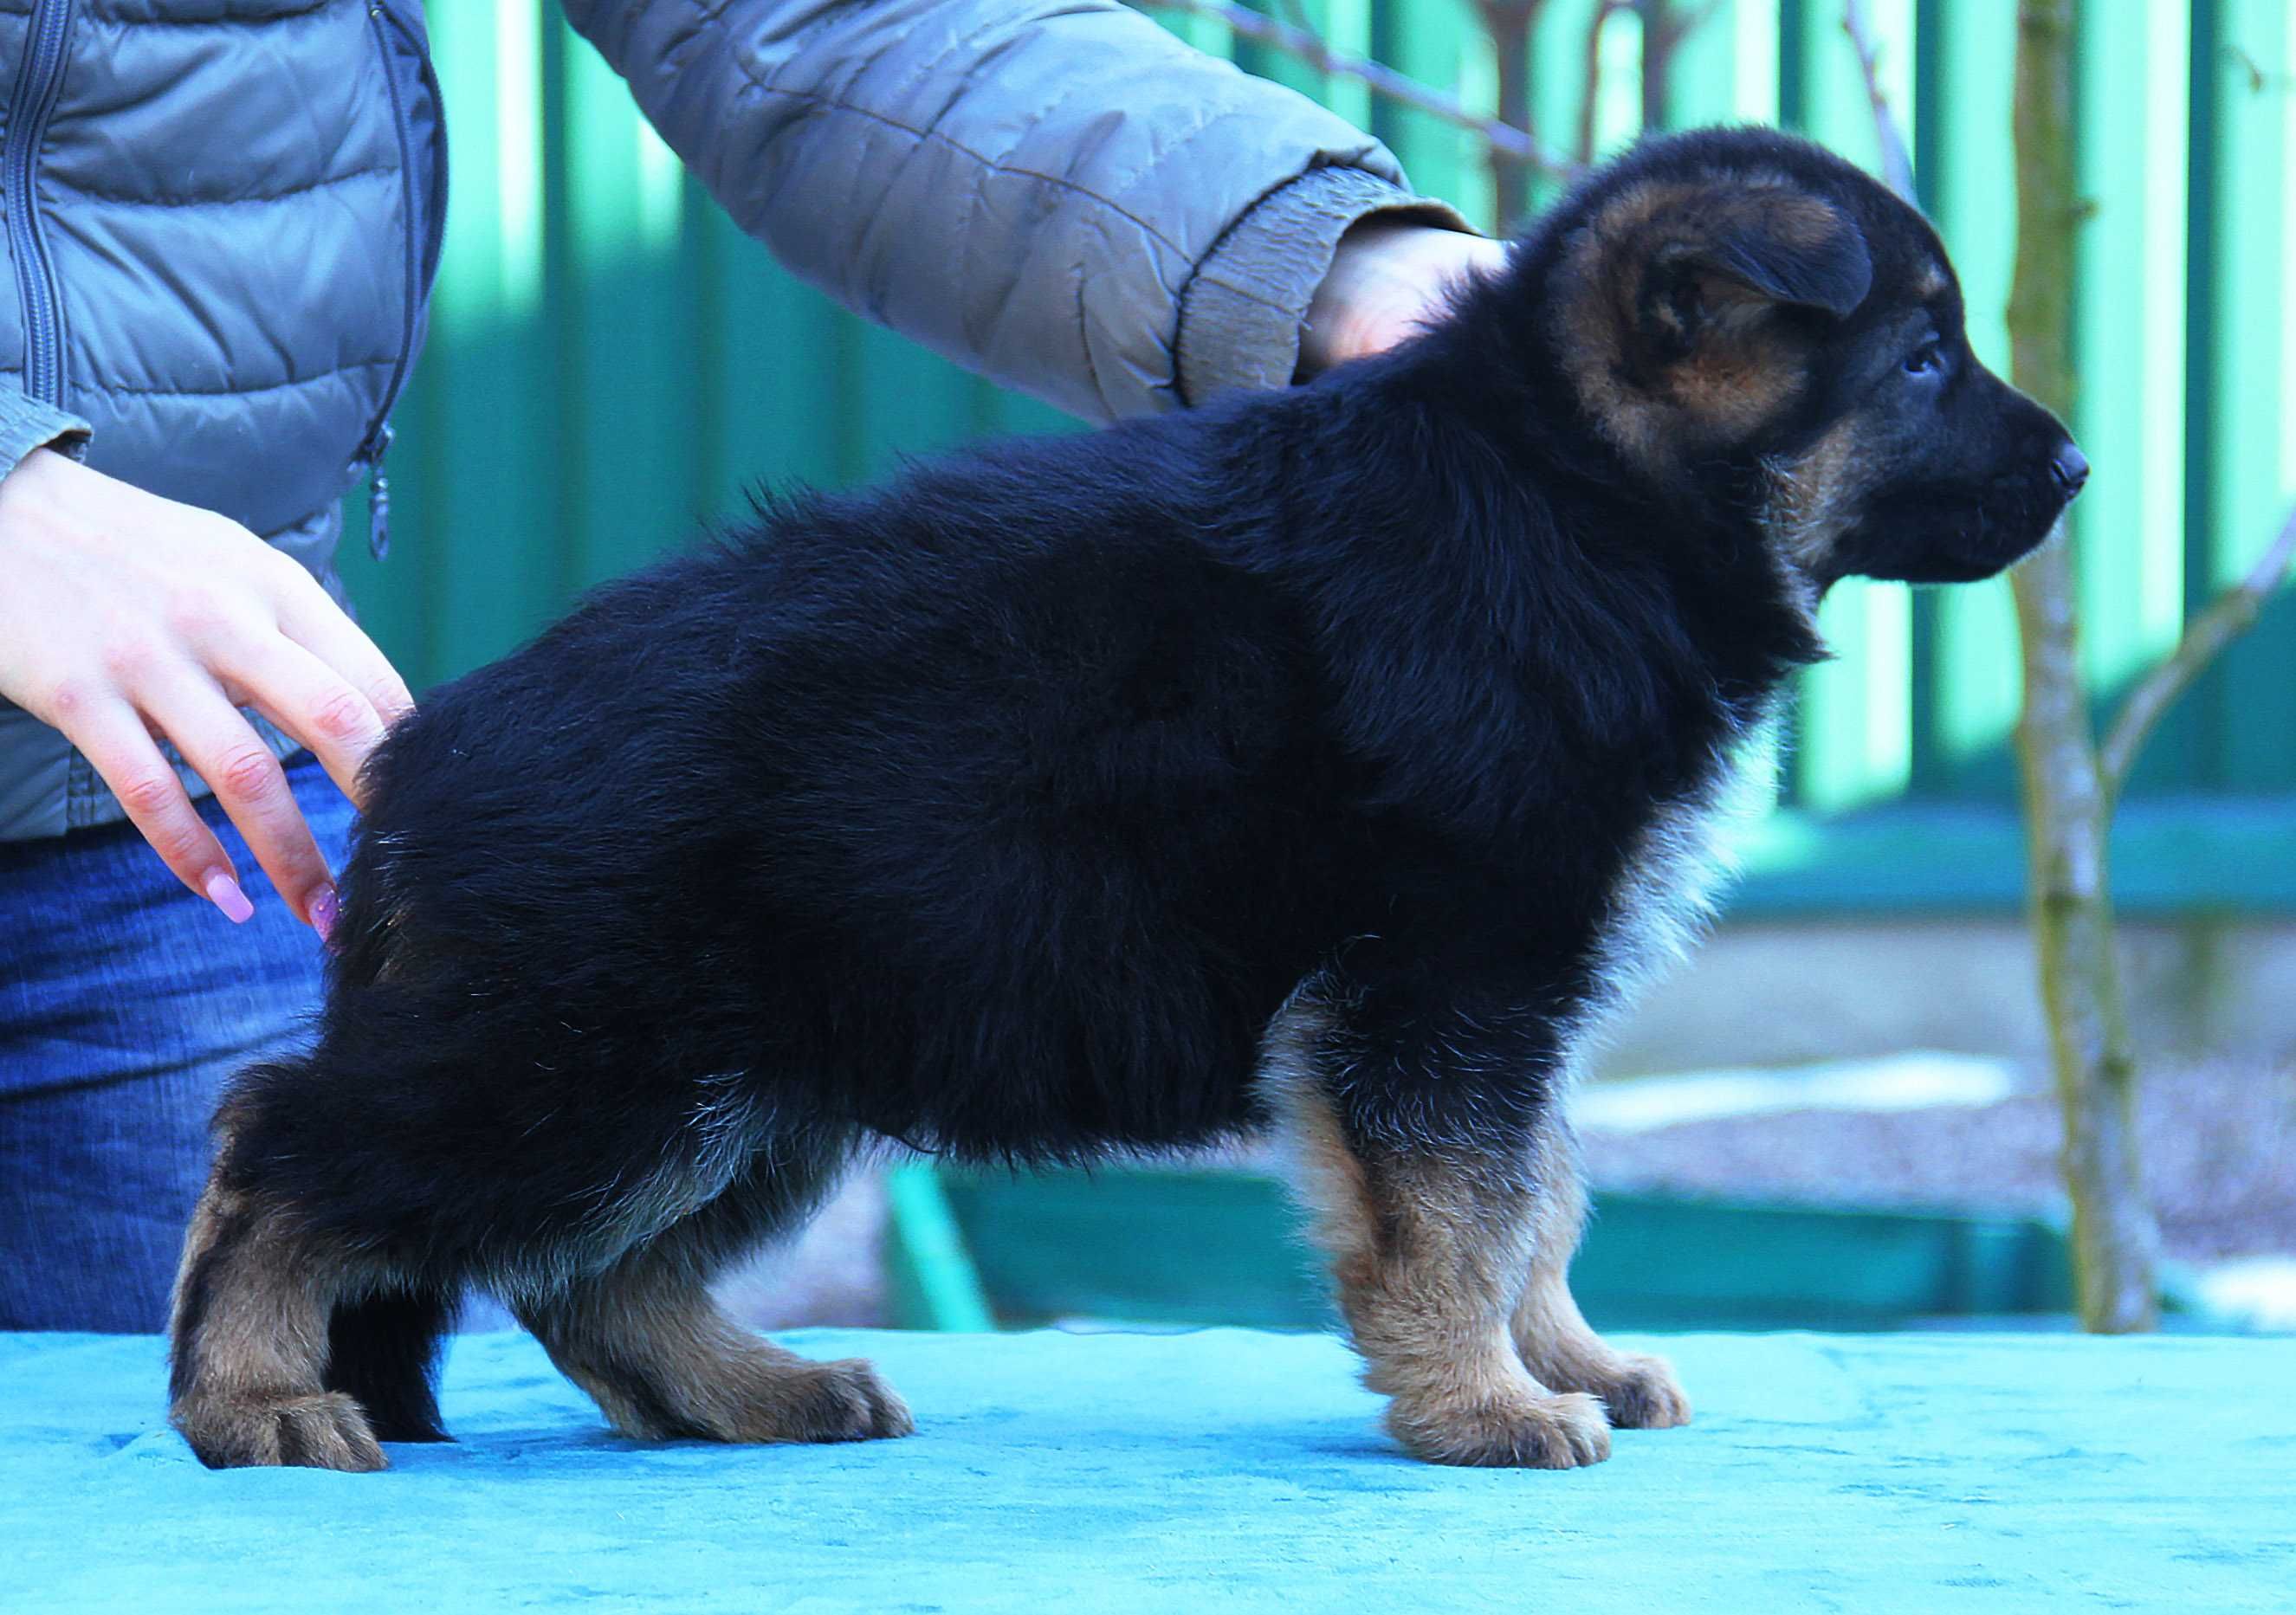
(2219, 1137)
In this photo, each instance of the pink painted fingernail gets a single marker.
(323, 907)
(223, 892)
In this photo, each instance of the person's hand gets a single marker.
(125, 616)
(1388, 277)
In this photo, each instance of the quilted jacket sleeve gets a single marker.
(1057, 193)
(26, 424)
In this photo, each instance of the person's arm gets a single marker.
(1056, 192)
(126, 618)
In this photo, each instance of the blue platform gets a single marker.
(1217, 1471)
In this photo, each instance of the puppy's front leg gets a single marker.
(1551, 1334)
(1429, 1231)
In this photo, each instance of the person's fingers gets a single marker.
(307, 699)
(111, 736)
(248, 781)
(312, 620)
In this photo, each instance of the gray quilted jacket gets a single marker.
(222, 216)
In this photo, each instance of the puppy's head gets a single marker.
(1746, 318)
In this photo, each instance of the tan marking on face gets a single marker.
(1814, 497)
(1733, 392)
(1933, 283)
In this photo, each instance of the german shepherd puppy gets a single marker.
(1327, 762)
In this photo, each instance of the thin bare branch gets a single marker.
(1601, 14)
(1510, 23)
(2225, 618)
(1503, 138)
(1897, 162)
(1296, 12)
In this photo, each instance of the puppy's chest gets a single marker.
(1673, 868)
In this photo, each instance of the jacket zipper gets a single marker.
(38, 80)
(378, 436)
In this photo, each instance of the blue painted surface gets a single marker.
(1224, 1469)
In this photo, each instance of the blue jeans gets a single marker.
(124, 1002)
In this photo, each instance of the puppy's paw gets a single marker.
(880, 1413)
(1642, 1393)
(324, 1430)
(843, 1401)
(1522, 1431)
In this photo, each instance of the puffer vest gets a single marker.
(222, 221)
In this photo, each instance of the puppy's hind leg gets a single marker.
(383, 1350)
(248, 1336)
(647, 1341)
(1549, 1330)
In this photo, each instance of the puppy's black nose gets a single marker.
(2070, 469)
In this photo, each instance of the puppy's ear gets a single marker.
(1727, 254)
(1669, 306)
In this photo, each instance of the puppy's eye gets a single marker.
(1927, 360)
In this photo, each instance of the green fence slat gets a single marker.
(1016, 412)
(1347, 25)
(2130, 311)
(1207, 33)
(1833, 104)
(768, 394)
(1754, 65)
(1706, 83)
(911, 402)
(624, 270)
(1281, 66)
(1426, 40)
(2241, 65)
(491, 494)
(1558, 78)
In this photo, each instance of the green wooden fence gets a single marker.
(611, 362)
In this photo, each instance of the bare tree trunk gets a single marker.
(1509, 23)
(1661, 26)
(2068, 806)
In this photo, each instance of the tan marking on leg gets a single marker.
(1429, 1256)
(249, 1325)
(647, 1341)
(1550, 1332)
